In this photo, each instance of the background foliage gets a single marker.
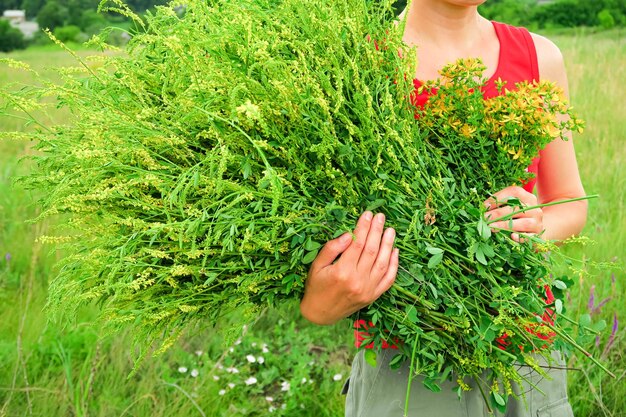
(603, 14)
(559, 13)
(10, 38)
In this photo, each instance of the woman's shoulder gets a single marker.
(550, 59)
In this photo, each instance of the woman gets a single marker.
(349, 274)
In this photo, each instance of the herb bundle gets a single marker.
(205, 166)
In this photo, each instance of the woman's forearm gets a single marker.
(565, 220)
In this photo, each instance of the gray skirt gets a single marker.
(381, 392)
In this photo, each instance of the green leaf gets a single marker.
(487, 250)
(483, 229)
(432, 385)
(599, 326)
(444, 375)
(311, 245)
(433, 250)
(473, 211)
(375, 316)
(498, 402)
(560, 284)
(396, 362)
(435, 260)
(480, 256)
(411, 314)
(499, 399)
(370, 357)
(433, 289)
(585, 320)
(558, 306)
(490, 335)
(246, 169)
(309, 257)
(376, 204)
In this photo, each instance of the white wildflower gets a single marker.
(251, 380)
(222, 392)
(253, 344)
(337, 377)
(231, 385)
(269, 399)
(251, 358)
(285, 386)
(271, 409)
(194, 373)
(199, 353)
(182, 369)
(260, 359)
(303, 381)
(216, 378)
(264, 348)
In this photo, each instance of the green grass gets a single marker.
(49, 369)
(596, 71)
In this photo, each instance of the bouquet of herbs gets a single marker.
(204, 166)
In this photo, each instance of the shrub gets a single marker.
(10, 37)
(68, 33)
(606, 19)
(514, 12)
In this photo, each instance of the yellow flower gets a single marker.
(467, 130)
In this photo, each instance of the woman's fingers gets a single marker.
(331, 250)
(514, 192)
(520, 238)
(372, 244)
(513, 212)
(383, 259)
(353, 253)
(390, 276)
(499, 212)
(521, 225)
(366, 268)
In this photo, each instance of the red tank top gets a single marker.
(517, 62)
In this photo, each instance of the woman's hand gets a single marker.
(526, 223)
(366, 267)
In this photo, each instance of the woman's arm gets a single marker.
(558, 178)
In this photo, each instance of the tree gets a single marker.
(10, 38)
(9, 5)
(32, 7)
(92, 22)
(76, 8)
(51, 15)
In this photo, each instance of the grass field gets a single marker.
(279, 364)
